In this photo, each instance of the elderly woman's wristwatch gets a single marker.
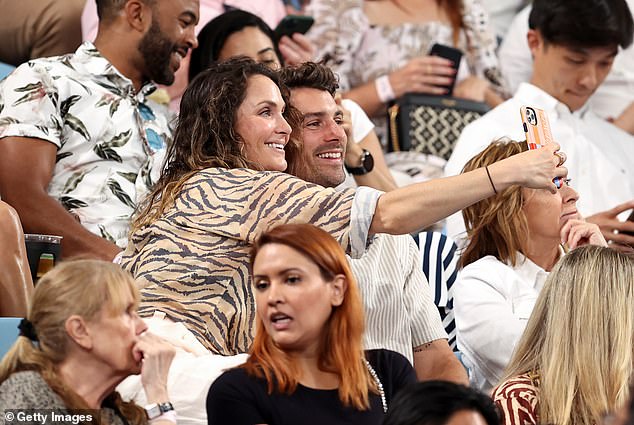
(155, 410)
(367, 165)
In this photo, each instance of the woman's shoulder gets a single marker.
(381, 356)
(524, 387)
(486, 261)
(518, 397)
(28, 390)
(487, 272)
(235, 379)
(234, 175)
(393, 369)
(27, 379)
(485, 266)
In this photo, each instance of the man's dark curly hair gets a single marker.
(310, 75)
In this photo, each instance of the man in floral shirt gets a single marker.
(78, 136)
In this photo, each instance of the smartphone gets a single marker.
(536, 127)
(291, 24)
(451, 53)
(537, 130)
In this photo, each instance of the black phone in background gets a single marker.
(291, 24)
(451, 53)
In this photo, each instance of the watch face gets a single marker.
(368, 161)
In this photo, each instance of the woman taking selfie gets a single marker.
(573, 364)
(224, 185)
(514, 240)
(81, 338)
(306, 364)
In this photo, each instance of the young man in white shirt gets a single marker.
(611, 99)
(573, 46)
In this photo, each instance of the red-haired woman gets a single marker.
(306, 364)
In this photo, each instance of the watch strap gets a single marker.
(367, 165)
(155, 410)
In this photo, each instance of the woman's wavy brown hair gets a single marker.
(205, 134)
(341, 350)
(496, 225)
(80, 287)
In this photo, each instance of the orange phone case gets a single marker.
(537, 130)
(536, 127)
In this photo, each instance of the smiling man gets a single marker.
(78, 136)
(400, 313)
(573, 44)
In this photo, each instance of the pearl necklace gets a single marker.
(378, 383)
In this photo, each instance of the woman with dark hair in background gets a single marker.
(235, 33)
(307, 363)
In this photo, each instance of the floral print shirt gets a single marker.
(110, 140)
(358, 51)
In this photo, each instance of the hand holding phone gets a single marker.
(291, 24)
(452, 54)
(538, 134)
(630, 218)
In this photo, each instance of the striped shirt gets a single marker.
(400, 313)
(517, 399)
(439, 260)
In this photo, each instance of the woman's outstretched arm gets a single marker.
(411, 208)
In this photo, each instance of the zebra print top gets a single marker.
(517, 398)
(192, 263)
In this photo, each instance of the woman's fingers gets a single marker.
(153, 348)
(304, 44)
(434, 80)
(538, 168)
(296, 50)
(426, 74)
(576, 233)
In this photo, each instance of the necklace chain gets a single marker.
(378, 383)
